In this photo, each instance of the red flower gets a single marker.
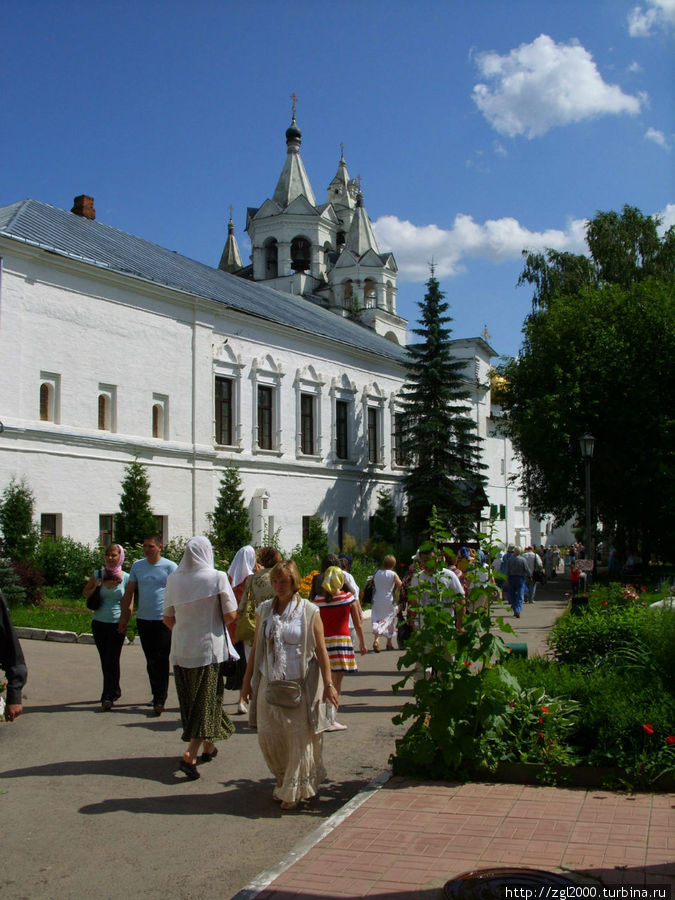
(513, 703)
(643, 589)
(670, 739)
(540, 719)
(544, 709)
(649, 728)
(604, 603)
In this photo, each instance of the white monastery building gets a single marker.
(114, 348)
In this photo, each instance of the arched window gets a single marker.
(369, 294)
(347, 294)
(271, 258)
(389, 296)
(103, 412)
(340, 239)
(300, 254)
(46, 403)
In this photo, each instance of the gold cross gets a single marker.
(342, 151)
(293, 98)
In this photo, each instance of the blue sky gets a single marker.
(478, 128)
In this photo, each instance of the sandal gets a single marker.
(190, 769)
(376, 646)
(287, 804)
(207, 757)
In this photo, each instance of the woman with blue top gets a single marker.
(113, 582)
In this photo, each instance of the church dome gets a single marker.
(293, 133)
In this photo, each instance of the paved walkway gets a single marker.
(405, 839)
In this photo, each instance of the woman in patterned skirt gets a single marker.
(336, 606)
(198, 605)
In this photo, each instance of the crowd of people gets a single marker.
(251, 631)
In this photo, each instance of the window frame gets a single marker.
(51, 383)
(227, 365)
(309, 386)
(267, 373)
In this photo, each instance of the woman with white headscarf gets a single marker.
(198, 605)
(242, 567)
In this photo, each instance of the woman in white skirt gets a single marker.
(383, 620)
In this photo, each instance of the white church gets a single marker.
(114, 348)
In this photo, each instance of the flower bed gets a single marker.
(604, 702)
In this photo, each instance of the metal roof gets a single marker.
(57, 231)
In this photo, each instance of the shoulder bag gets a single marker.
(94, 599)
(284, 693)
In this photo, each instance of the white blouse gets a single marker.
(199, 636)
(291, 637)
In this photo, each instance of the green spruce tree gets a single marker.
(10, 585)
(439, 436)
(317, 539)
(383, 527)
(20, 535)
(135, 518)
(229, 521)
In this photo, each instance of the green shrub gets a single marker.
(67, 563)
(592, 638)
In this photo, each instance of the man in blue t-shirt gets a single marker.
(148, 577)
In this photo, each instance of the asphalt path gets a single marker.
(92, 803)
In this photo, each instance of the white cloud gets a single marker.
(658, 137)
(496, 240)
(659, 14)
(667, 217)
(541, 85)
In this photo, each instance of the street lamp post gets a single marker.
(587, 445)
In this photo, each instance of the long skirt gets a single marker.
(383, 617)
(200, 695)
(293, 753)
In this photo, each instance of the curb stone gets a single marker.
(63, 637)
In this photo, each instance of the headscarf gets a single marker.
(242, 565)
(115, 574)
(196, 578)
(333, 579)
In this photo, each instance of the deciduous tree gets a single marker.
(600, 358)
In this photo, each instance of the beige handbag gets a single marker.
(284, 693)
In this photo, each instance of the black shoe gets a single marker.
(190, 769)
(517, 615)
(106, 705)
(158, 709)
(207, 757)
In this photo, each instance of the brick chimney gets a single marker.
(84, 206)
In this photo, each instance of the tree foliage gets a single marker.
(439, 436)
(383, 527)
(20, 534)
(316, 541)
(624, 249)
(135, 518)
(600, 358)
(229, 521)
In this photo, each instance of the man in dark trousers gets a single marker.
(12, 661)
